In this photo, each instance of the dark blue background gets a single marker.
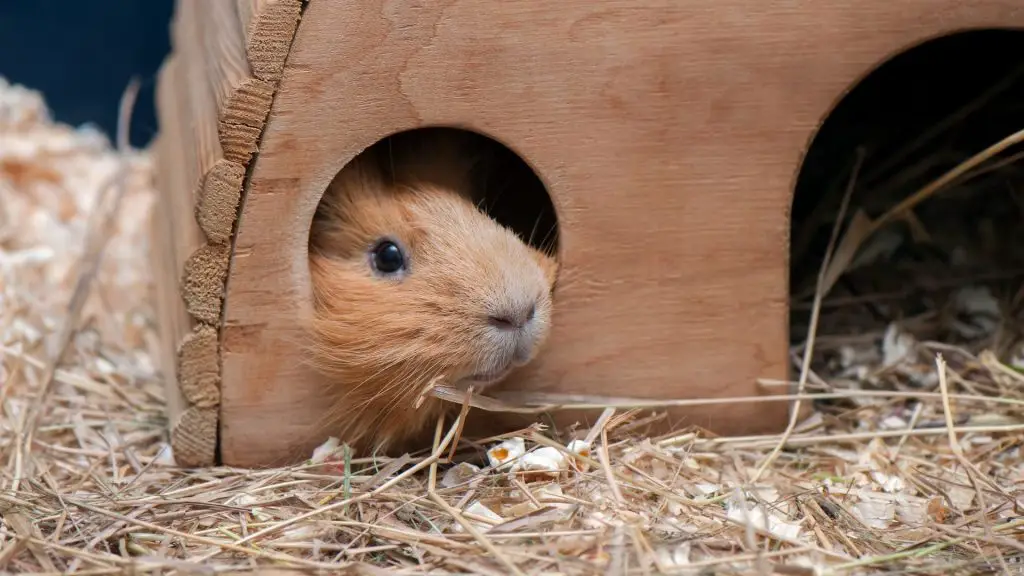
(82, 53)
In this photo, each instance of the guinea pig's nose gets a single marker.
(513, 316)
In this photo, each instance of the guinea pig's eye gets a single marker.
(388, 257)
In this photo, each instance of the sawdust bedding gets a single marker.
(874, 479)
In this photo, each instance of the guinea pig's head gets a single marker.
(412, 283)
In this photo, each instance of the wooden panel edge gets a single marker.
(223, 105)
(242, 101)
(167, 237)
(269, 27)
(199, 367)
(194, 437)
(217, 205)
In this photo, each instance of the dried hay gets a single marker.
(901, 467)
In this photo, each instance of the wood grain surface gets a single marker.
(269, 26)
(212, 110)
(669, 135)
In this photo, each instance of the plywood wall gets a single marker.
(669, 135)
(214, 93)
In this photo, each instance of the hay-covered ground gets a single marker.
(873, 480)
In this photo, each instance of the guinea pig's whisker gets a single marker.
(398, 366)
(375, 375)
(406, 388)
(410, 394)
(533, 231)
(547, 236)
(402, 381)
(341, 421)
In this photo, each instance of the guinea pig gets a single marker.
(413, 282)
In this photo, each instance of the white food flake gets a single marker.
(325, 450)
(507, 451)
(547, 460)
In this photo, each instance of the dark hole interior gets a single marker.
(505, 187)
(951, 273)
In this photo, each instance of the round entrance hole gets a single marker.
(947, 270)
